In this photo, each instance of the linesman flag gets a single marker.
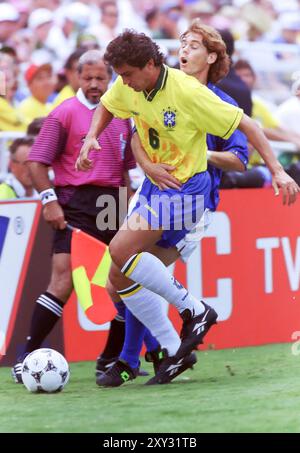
(90, 261)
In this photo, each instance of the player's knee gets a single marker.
(117, 253)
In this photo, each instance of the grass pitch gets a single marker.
(234, 390)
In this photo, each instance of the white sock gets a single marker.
(150, 272)
(148, 308)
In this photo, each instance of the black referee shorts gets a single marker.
(81, 212)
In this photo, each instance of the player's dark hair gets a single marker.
(20, 142)
(134, 49)
(213, 42)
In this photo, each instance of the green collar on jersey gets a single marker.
(160, 84)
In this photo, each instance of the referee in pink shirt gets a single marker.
(73, 200)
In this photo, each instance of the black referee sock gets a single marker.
(47, 312)
(115, 340)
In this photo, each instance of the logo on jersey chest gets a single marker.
(169, 117)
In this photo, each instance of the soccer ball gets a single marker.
(45, 370)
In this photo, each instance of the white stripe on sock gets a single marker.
(51, 302)
(49, 307)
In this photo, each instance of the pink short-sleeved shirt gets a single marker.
(60, 140)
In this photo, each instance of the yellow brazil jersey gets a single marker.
(31, 108)
(173, 119)
(10, 119)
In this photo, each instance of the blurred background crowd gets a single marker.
(42, 40)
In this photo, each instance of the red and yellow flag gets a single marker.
(90, 261)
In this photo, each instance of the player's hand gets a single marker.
(54, 215)
(161, 175)
(83, 162)
(290, 189)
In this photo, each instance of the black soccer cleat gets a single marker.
(103, 365)
(156, 357)
(117, 375)
(171, 367)
(195, 328)
(16, 373)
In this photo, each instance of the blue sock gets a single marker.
(134, 338)
(121, 308)
(150, 341)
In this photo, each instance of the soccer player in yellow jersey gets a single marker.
(173, 113)
(203, 55)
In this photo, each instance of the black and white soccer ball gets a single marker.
(45, 370)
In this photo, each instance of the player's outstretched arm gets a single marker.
(101, 118)
(281, 180)
(159, 173)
